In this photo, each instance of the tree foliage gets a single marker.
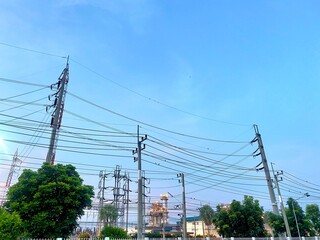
(308, 223)
(313, 214)
(49, 201)
(241, 219)
(113, 232)
(108, 214)
(305, 226)
(275, 222)
(207, 214)
(10, 225)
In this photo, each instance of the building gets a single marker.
(158, 213)
(197, 227)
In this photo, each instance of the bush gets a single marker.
(84, 235)
(113, 232)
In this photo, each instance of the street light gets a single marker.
(294, 213)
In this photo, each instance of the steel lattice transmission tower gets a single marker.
(15, 163)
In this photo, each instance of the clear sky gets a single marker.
(203, 69)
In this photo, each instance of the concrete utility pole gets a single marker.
(266, 170)
(61, 87)
(184, 210)
(281, 203)
(138, 150)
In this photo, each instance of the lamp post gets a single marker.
(294, 213)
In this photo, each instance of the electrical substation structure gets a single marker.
(120, 200)
(120, 195)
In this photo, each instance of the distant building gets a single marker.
(197, 227)
(224, 206)
(159, 212)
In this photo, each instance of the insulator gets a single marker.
(259, 164)
(52, 119)
(54, 86)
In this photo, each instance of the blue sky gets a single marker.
(210, 69)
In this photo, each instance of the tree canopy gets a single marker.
(305, 226)
(313, 214)
(108, 214)
(207, 214)
(10, 225)
(50, 200)
(308, 223)
(241, 219)
(275, 222)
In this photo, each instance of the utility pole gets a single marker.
(281, 203)
(195, 227)
(184, 210)
(145, 190)
(266, 170)
(140, 203)
(61, 87)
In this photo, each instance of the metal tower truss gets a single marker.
(15, 163)
(119, 195)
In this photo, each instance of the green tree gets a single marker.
(10, 225)
(305, 226)
(276, 222)
(108, 214)
(49, 201)
(113, 232)
(313, 214)
(207, 214)
(241, 219)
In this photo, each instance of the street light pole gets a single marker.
(295, 218)
(294, 213)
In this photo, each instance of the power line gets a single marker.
(150, 125)
(152, 99)
(22, 82)
(32, 50)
